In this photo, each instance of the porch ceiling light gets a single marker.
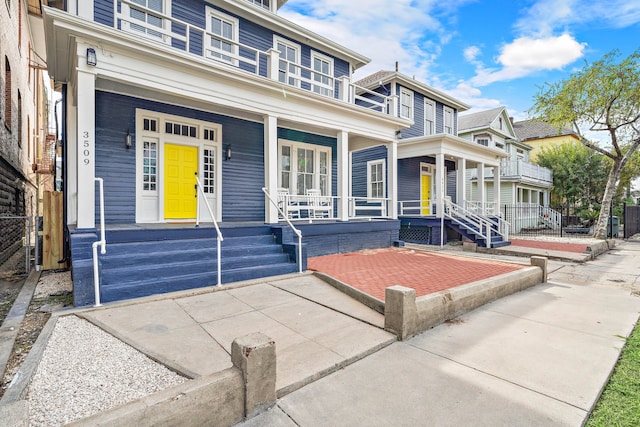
(127, 140)
(92, 59)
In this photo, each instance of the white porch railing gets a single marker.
(518, 167)
(416, 207)
(181, 35)
(219, 238)
(102, 243)
(295, 230)
(482, 208)
(371, 207)
(482, 226)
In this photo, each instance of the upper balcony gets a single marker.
(217, 44)
(526, 171)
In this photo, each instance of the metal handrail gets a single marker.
(219, 237)
(102, 243)
(295, 230)
(485, 225)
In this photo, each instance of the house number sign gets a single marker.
(86, 153)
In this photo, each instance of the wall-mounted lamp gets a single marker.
(92, 59)
(227, 152)
(398, 134)
(127, 140)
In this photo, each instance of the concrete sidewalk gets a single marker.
(538, 357)
(193, 334)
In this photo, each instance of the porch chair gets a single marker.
(319, 206)
(291, 210)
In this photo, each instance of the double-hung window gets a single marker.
(147, 18)
(322, 74)
(289, 63)
(448, 120)
(429, 117)
(222, 37)
(376, 179)
(406, 103)
(304, 167)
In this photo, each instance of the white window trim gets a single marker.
(328, 59)
(444, 121)
(298, 49)
(125, 17)
(409, 93)
(294, 164)
(211, 12)
(431, 102)
(369, 179)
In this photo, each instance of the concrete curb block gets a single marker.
(598, 248)
(406, 315)
(11, 324)
(371, 302)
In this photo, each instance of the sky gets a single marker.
(486, 53)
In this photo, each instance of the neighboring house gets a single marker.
(26, 149)
(432, 164)
(525, 187)
(157, 93)
(539, 134)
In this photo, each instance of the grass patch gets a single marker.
(619, 404)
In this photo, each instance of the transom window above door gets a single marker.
(303, 167)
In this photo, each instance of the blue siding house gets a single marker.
(432, 163)
(201, 137)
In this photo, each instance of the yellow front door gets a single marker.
(180, 167)
(425, 195)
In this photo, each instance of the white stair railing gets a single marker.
(219, 238)
(550, 217)
(295, 230)
(480, 225)
(102, 243)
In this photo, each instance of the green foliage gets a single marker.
(579, 174)
(619, 404)
(602, 97)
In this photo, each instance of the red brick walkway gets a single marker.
(551, 246)
(372, 271)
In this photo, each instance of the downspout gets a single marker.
(63, 141)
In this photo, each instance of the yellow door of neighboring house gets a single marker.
(180, 167)
(425, 195)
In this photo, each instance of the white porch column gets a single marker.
(440, 177)
(343, 175)
(271, 166)
(392, 176)
(86, 147)
(496, 187)
(273, 64)
(461, 180)
(482, 197)
(71, 178)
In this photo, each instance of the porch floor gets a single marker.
(372, 271)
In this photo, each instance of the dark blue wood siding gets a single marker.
(359, 161)
(242, 176)
(409, 177)
(103, 12)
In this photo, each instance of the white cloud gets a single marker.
(471, 54)
(527, 55)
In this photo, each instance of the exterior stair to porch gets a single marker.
(141, 263)
(471, 232)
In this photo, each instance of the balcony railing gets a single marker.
(524, 169)
(195, 40)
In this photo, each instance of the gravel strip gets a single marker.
(84, 371)
(53, 283)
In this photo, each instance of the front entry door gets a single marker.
(425, 195)
(180, 168)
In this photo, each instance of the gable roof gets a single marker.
(481, 119)
(383, 77)
(537, 129)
